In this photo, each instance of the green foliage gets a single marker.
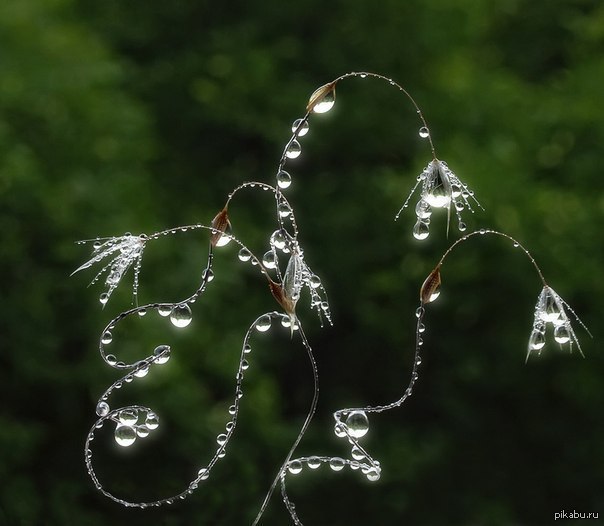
(139, 116)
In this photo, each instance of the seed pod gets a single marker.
(288, 304)
(431, 287)
(220, 224)
(321, 93)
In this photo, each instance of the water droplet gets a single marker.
(142, 312)
(421, 327)
(125, 435)
(107, 338)
(536, 340)
(294, 467)
(152, 420)
(459, 206)
(337, 463)
(562, 334)
(278, 239)
(339, 430)
(263, 323)
(102, 408)
(142, 431)
(128, 417)
(462, 226)
(284, 210)
(181, 315)
(284, 180)
(363, 75)
(96, 244)
(421, 230)
(313, 462)
(419, 311)
(322, 99)
(221, 439)
(104, 298)
(207, 275)
(247, 348)
(162, 354)
(232, 410)
(314, 281)
(550, 311)
(303, 128)
(357, 424)
(141, 372)
(455, 190)
(245, 365)
(293, 150)
(516, 244)
(423, 210)
(424, 132)
(203, 474)
(357, 454)
(373, 475)
(164, 310)
(244, 254)
(269, 260)
(111, 359)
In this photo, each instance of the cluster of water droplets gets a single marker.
(550, 310)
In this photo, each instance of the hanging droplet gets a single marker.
(294, 467)
(203, 474)
(421, 230)
(550, 311)
(314, 281)
(373, 475)
(221, 439)
(102, 408)
(284, 210)
(221, 226)
(337, 463)
(284, 180)
(207, 274)
(459, 206)
(245, 365)
(164, 310)
(142, 431)
(423, 210)
(232, 410)
(303, 125)
(424, 132)
(162, 354)
(244, 254)
(104, 298)
(141, 372)
(462, 226)
(152, 420)
(455, 190)
(125, 435)
(111, 359)
(439, 193)
(181, 315)
(269, 259)
(293, 150)
(562, 334)
(322, 99)
(357, 424)
(247, 348)
(339, 430)
(128, 417)
(357, 454)
(313, 462)
(263, 323)
(278, 239)
(536, 341)
(142, 312)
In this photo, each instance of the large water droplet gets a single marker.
(462, 226)
(373, 475)
(221, 439)
(284, 210)
(357, 424)
(357, 454)
(438, 197)
(303, 129)
(125, 435)
(264, 323)
(536, 340)
(424, 132)
(269, 259)
(128, 417)
(142, 431)
(294, 467)
(284, 180)
(423, 210)
(550, 311)
(313, 462)
(244, 254)
(561, 334)
(181, 315)
(162, 353)
(102, 408)
(293, 150)
(325, 103)
(207, 275)
(141, 372)
(104, 298)
(107, 338)
(314, 281)
(337, 463)
(152, 420)
(421, 230)
(278, 239)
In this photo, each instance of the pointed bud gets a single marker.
(220, 224)
(431, 287)
(289, 305)
(322, 98)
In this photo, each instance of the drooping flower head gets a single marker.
(551, 309)
(440, 188)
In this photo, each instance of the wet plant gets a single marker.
(288, 276)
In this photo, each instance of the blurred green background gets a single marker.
(137, 116)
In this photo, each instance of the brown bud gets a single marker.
(220, 224)
(431, 287)
(279, 294)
